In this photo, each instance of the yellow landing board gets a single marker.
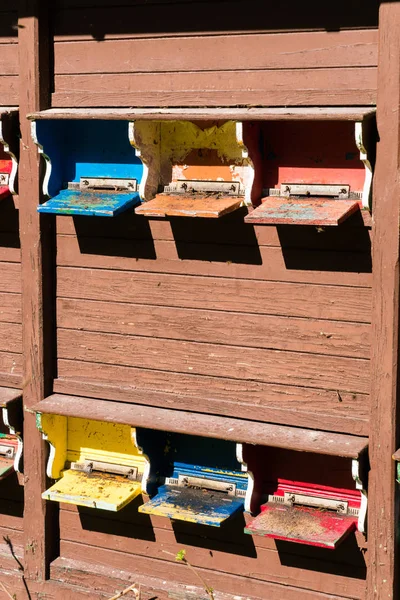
(97, 490)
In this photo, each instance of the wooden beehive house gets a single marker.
(199, 299)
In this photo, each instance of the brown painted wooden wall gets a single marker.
(275, 327)
(213, 53)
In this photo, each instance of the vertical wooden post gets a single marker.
(36, 247)
(383, 522)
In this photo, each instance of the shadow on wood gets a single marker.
(185, 17)
(229, 537)
(11, 497)
(348, 561)
(9, 224)
(127, 522)
(127, 236)
(355, 258)
(201, 240)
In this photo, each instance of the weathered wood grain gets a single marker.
(220, 581)
(10, 337)
(8, 58)
(383, 512)
(270, 366)
(9, 87)
(10, 277)
(220, 294)
(241, 262)
(10, 367)
(10, 308)
(8, 253)
(331, 87)
(36, 247)
(234, 52)
(289, 405)
(267, 565)
(252, 113)
(216, 327)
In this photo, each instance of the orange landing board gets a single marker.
(304, 211)
(199, 205)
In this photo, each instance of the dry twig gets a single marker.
(131, 588)
(3, 587)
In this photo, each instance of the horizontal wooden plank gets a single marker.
(14, 535)
(8, 395)
(9, 90)
(219, 53)
(10, 252)
(265, 564)
(10, 337)
(69, 575)
(311, 113)
(238, 329)
(270, 366)
(220, 581)
(10, 277)
(220, 294)
(10, 308)
(239, 262)
(8, 58)
(352, 237)
(10, 368)
(289, 405)
(311, 87)
(210, 426)
(10, 520)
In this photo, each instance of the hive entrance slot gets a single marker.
(7, 451)
(202, 483)
(89, 467)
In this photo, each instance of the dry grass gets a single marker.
(131, 588)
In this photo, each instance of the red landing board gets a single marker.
(311, 526)
(304, 211)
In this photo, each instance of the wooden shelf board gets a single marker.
(180, 205)
(8, 396)
(315, 211)
(206, 425)
(396, 455)
(8, 109)
(192, 114)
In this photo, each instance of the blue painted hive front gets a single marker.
(91, 167)
(203, 481)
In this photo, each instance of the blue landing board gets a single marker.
(91, 204)
(204, 507)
